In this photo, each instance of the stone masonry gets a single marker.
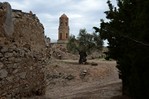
(23, 54)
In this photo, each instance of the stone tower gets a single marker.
(63, 30)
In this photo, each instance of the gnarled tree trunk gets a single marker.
(83, 56)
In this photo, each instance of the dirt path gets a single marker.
(95, 92)
(100, 82)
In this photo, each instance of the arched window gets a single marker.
(60, 36)
(66, 35)
(61, 23)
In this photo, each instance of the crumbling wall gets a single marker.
(21, 72)
(28, 30)
(22, 54)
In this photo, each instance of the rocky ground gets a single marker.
(66, 79)
(69, 80)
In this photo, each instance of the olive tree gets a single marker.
(84, 44)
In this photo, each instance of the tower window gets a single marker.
(60, 37)
(61, 23)
(66, 35)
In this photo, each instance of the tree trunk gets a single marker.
(83, 56)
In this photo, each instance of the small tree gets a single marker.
(84, 44)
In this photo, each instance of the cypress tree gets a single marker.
(128, 35)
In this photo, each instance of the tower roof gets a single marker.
(63, 16)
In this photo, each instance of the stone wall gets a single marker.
(28, 30)
(23, 54)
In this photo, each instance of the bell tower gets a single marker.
(63, 30)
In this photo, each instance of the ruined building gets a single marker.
(22, 54)
(63, 30)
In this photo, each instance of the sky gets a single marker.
(81, 13)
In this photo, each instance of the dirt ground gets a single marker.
(69, 80)
(66, 79)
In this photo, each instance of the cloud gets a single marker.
(81, 13)
(89, 5)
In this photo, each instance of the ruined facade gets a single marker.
(63, 30)
(22, 54)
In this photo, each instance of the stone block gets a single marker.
(1, 65)
(10, 79)
(8, 55)
(3, 73)
(4, 49)
(8, 25)
(1, 55)
(22, 75)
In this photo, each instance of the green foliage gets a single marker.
(72, 44)
(85, 42)
(128, 35)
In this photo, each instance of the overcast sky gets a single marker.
(81, 13)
